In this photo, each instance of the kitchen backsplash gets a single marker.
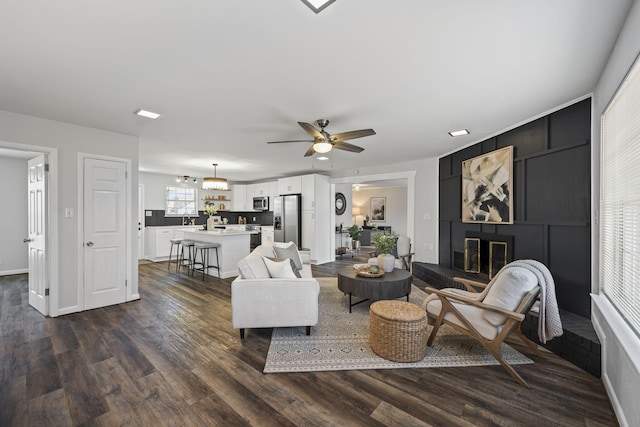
(157, 218)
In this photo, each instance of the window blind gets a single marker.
(620, 199)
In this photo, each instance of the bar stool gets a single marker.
(189, 246)
(177, 243)
(203, 248)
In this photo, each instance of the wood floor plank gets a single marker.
(126, 401)
(392, 416)
(13, 401)
(79, 383)
(242, 400)
(49, 410)
(173, 358)
(43, 375)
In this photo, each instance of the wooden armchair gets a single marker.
(403, 246)
(488, 316)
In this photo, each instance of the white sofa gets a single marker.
(261, 301)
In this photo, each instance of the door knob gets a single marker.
(89, 244)
(27, 240)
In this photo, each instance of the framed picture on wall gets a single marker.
(378, 208)
(487, 188)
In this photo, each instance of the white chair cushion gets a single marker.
(279, 269)
(396, 264)
(511, 285)
(473, 314)
(253, 267)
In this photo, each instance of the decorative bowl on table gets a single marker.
(370, 271)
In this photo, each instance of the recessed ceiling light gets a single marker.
(323, 158)
(459, 132)
(148, 114)
(317, 5)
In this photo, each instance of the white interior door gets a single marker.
(37, 209)
(104, 215)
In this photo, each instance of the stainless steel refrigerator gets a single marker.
(287, 219)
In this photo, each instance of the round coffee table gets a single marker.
(392, 285)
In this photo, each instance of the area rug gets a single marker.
(340, 341)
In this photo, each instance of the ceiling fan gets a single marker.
(323, 141)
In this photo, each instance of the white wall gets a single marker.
(395, 208)
(425, 202)
(345, 219)
(620, 346)
(21, 131)
(13, 218)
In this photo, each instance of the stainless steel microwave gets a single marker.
(260, 203)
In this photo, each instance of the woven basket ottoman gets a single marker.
(398, 331)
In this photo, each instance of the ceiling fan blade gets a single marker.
(345, 136)
(309, 152)
(347, 147)
(297, 140)
(311, 130)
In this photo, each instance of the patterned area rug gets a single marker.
(340, 341)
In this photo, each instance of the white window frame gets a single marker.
(167, 201)
(620, 200)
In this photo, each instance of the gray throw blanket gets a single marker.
(549, 323)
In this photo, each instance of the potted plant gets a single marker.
(384, 244)
(354, 232)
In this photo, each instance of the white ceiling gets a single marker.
(230, 75)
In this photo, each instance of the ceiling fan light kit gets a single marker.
(215, 183)
(322, 147)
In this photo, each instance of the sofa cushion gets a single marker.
(264, 250)
(507, 292)
(474, 315)
(253, 267)
(290, 261)
(279, 269)
(290, 251)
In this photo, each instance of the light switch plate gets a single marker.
(68, 213)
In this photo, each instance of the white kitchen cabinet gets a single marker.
(316, 214)
(239, 197)
(261, 189)
(249, 197)
(273, 193)
(267, 234)
(290, 185)
(308, 192)
(158, 240)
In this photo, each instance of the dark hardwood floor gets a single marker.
(172, 358)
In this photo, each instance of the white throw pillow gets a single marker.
(279, 269)
(507, 292)
(253, 267)
(289, 251)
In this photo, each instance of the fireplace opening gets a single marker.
(486, 253)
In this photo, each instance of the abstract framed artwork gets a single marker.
(487, 188)
(378, 208)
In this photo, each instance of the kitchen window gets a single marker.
(181, 201)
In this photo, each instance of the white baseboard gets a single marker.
(12, 272)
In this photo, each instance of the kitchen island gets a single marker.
(234, 245)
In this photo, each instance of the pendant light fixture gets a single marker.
(215, 183)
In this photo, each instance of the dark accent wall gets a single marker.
(551, 196)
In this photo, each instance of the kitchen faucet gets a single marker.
(188, 218)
